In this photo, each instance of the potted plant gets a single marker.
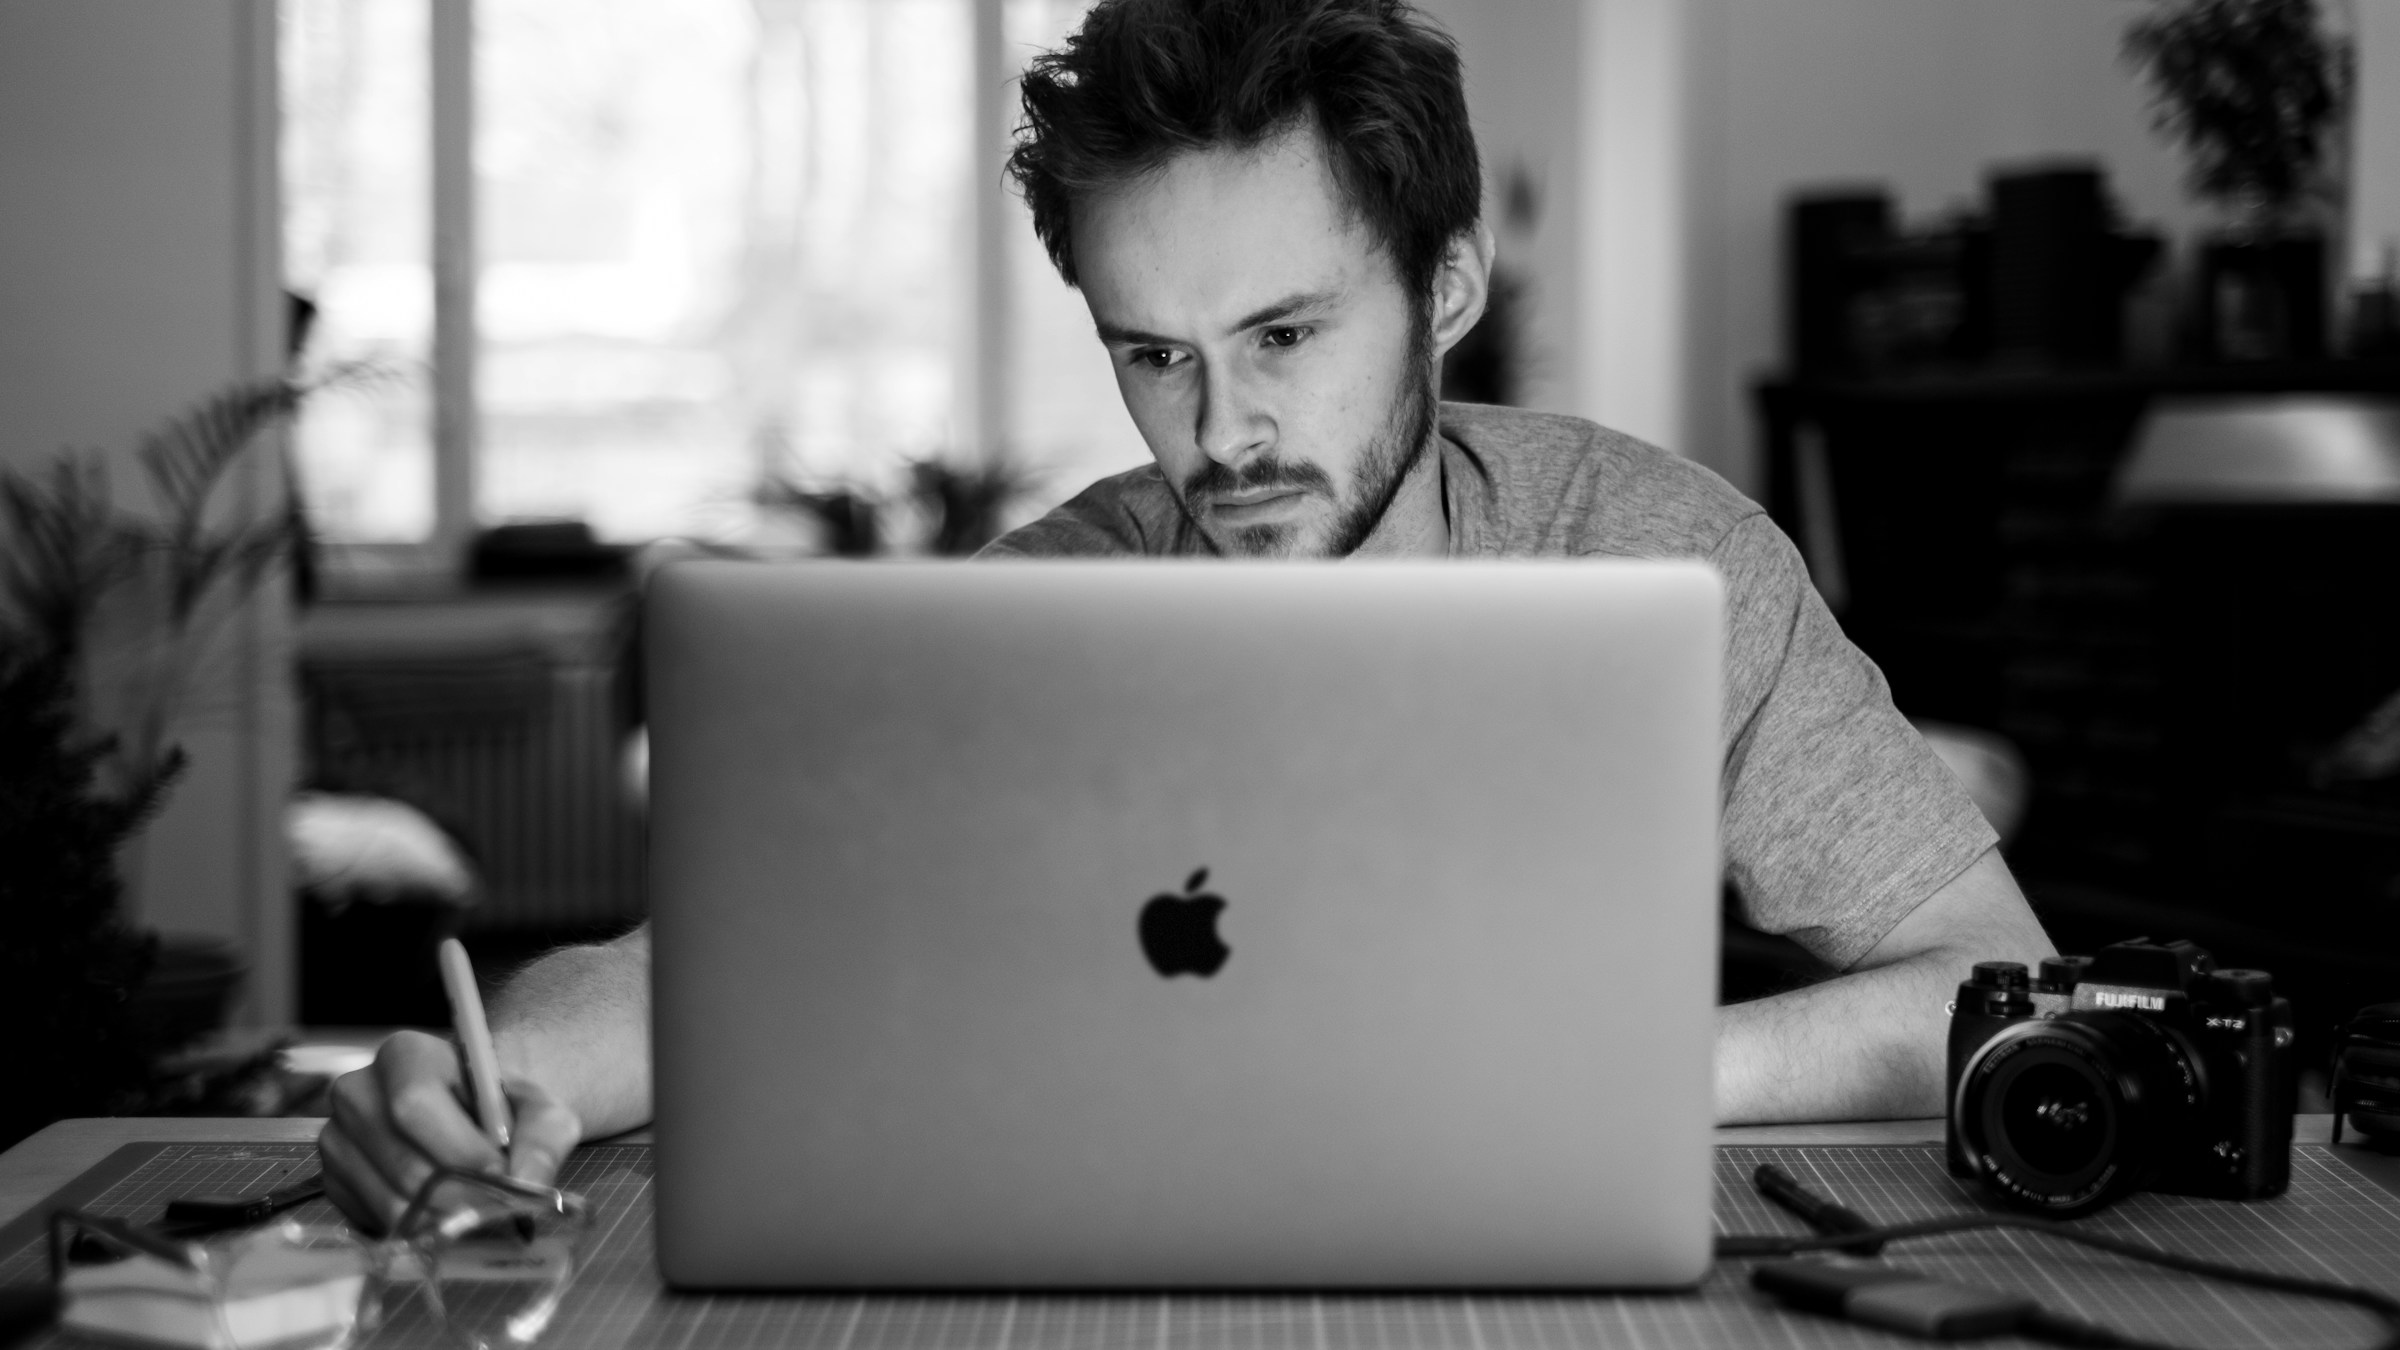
(102, 611)
(2252, 90)
(963, 507)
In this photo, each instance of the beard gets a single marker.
(1396, 449)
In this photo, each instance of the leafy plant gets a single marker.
(966, 504)
(71, 964)
(964, 507)
(73, 550)
(83, 778)
(63, 550)
(850, 519)
(2250, 88)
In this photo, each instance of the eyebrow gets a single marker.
(1284, 308)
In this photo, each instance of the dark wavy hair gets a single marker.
(1144, 80)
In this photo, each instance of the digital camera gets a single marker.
(2143, 1067)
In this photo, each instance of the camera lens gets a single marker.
(2065, 1115)
(2055, 1114)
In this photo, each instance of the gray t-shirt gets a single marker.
(1837, 819)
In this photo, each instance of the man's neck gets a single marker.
(1417, 524)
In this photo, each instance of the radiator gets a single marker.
(513, 746)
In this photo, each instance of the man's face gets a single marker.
(1264, 345)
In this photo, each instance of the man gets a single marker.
(1271, 207)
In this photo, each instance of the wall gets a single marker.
(1521, 62)
(1589, 103)
(2375, 149)
(138, 272)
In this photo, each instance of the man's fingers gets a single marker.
(364, 1150)
(420, 1079)
(546, 1131)
(396, 1119)
(354, 1185)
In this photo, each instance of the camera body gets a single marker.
(2142, 1067)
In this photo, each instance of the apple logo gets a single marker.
(1179, 932)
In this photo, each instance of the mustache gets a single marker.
(1257, 474)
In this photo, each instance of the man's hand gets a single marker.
(573, 1034)
(397, 1119)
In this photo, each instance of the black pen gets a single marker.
(1816, 1211)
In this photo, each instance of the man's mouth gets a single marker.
(1238, 508)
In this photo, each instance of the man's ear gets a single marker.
(1462, 287)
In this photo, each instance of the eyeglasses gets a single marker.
(491, 1255)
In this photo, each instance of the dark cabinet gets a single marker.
(2177, 678)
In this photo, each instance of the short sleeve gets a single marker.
(1838, 819)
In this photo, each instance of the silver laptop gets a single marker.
(1150, 924)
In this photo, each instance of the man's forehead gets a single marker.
(1214, 235)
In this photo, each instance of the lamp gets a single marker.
(2279, 450)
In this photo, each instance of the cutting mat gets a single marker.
(2335, 1222)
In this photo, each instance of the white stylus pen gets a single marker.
(475, 1039)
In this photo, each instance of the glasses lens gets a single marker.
(288, 1287)
(294, 1286)
(496, 1268)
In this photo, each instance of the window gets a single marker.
(701, 244)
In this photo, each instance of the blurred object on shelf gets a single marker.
(2262, 298)
(2061, 268)
(2282, 449)
(2375, 310)
(2041, 279)
(544, 551)
(1831, 240)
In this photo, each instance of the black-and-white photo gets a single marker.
(1216, 673)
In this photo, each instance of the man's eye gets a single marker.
(1157, 358)
(1286, 336)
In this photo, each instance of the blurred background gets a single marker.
(2077, 383)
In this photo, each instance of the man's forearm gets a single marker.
(1873, 1043)
(1866, 1046)
(578, 1022)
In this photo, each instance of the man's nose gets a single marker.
(1231, 427)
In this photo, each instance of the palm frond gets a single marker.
(64, 546)
(186, 458)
